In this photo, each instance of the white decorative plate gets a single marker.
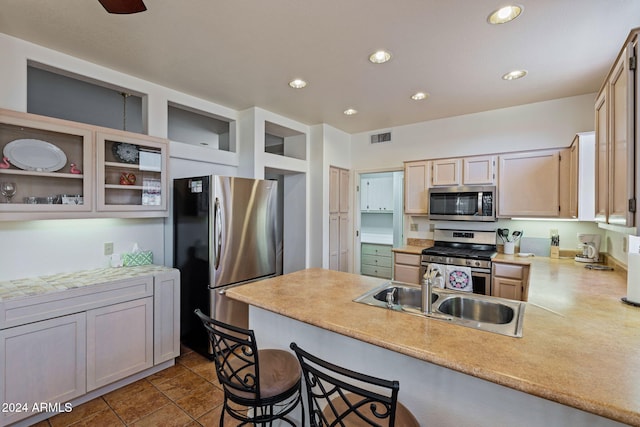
(35, 155)
(127, 153)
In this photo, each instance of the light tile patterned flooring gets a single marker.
(186, 394)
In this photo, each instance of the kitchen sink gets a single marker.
(403, 296)
(477, 310)
(485, 313)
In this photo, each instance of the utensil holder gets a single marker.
(509, 248)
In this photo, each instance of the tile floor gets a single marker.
(186, 394)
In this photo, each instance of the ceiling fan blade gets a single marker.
(123, 6)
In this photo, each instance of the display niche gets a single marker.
(64, 95)
(196, 127)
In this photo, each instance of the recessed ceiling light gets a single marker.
(350, 111)
(380, 57)
(297, 83)
(505, 14)
(419, 96)
(514, 75)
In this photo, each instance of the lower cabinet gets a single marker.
(166, 316)
(510, 281)
(72, 342)
(406, 268)
(42, 362)
(119, 341)
(376, 260)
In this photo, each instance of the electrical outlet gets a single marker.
(413, 227)
(108, 248)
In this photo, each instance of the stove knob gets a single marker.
(477, 263)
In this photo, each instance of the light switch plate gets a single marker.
(413, 227)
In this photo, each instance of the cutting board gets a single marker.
(540, 246)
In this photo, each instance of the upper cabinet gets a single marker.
(416, 187)
(132, 173)
(615, 143)
(480, 170)
(529, 184)
(62, 169)
(445, 172)
(47, 167)
(376, 193)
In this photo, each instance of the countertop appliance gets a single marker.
(463, 203)
(465, 248)
(224, 233)
(590, 248)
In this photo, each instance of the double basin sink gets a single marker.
(491, 314)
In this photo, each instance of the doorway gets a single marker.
(380, 221)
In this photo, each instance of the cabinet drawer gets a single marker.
(381, 250)
(409, 259)
(407, 274)
(379, 261)
(370, 270)
(508, 270)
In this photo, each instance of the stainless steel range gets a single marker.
(470, 250)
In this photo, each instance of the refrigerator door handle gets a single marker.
(217, 233)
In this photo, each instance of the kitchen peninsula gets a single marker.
(575, 365)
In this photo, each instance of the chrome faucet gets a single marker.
(427, 295)
(390, 297)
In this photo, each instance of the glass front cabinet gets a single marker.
(54, 169)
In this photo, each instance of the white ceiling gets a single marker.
(243, 53)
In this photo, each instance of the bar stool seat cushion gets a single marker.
(279, 373)
(404, 417)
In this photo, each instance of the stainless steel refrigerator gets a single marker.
(224, 233)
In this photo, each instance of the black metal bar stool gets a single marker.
(341, 397)
(260, 386)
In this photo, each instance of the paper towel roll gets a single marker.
(633, 278)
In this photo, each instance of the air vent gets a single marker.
(381, 137)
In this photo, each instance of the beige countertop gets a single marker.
(10, 289)
(579, 346)
(414, 250)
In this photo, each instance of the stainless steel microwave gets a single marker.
(464, 203)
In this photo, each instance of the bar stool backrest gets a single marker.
(339, 396)
(235, 356)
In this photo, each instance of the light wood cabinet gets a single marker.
(57, 346)
(376, 260)
(114, 173)
(166, 316)
(42, 362)
(529, 184)
(406, 268)
(510, 281)
(616, 139)
(119, 341)
(602, 158)
(131, 173)
(41, 151)
(479, 170)
(445, 172)
(339, 219)
(334, 190)
(621, 143)
(416, 187)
